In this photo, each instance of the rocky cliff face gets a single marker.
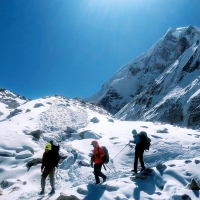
(162, 84)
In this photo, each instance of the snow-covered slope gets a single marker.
(162, 84)
(12, 100)
(9, 101)
(173, 156)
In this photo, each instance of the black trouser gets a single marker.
(51, 177)
(97, 172)
(138, 154)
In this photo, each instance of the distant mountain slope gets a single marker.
(162, 84)
(9, 101)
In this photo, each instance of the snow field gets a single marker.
(173, 156)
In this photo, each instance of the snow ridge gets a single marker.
(144, 85)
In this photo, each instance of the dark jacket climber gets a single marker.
(139, 151)
(47, 168)
(98, 154)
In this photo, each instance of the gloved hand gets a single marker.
(90, 155)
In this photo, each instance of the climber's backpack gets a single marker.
(55, 152)
(106, 157)
(145, 140)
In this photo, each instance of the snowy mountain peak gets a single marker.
(12, 100)
(9, 101)
(144, 88)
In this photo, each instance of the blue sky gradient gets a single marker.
(71, 47)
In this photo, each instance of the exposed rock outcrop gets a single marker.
(64, 196)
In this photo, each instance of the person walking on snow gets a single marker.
(98, 154)
(48, 168)
(139, 151)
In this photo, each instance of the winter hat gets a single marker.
(94, 142)
(134, 132)
(48, 146)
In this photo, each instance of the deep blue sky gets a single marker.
(71, 47)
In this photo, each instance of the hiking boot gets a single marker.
(143, 168)
(104, 179)
(42, 192)
(52, 191)
(134, 170)
(134, 173)
(97, 183)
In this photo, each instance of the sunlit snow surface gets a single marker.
(177, 149)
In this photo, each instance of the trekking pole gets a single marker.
(104, 167)
(120, 151)
(111, 171)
